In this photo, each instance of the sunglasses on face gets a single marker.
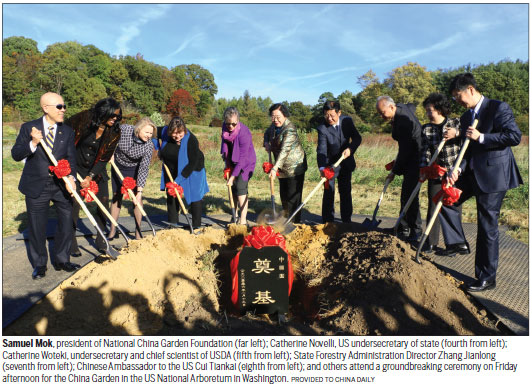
(116, 117)
(58, 106)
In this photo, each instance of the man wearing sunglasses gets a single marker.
(40, 186)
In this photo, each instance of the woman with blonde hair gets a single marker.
(132, 157)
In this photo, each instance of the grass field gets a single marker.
(368, 179)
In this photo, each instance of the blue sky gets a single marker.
(285, 51)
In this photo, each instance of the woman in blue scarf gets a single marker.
(179, 150)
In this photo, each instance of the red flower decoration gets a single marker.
(62, 169)
(128, 184)
(329, 174)
(389, 166)
(174, 189)
(432, 172)
(93, 186)
(448, 195)
(227, 173)
(267, 167)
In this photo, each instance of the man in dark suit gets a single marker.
(487, 171)
(406, 130)
(40, 186)
(337, 137)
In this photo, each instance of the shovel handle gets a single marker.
(68, 184)
(100, 204)
(130, 192)
(418, 185)
(181, 204)
(386, 184)
(440, 202)
(272, 185)
(323, 180)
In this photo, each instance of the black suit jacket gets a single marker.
(492, 162)
(406, 130)
(331, 144)
(36, 172)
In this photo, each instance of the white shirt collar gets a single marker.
(477, 107)
(46, 125)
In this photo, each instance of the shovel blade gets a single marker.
(371, 223)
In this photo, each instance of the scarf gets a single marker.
(228, 136)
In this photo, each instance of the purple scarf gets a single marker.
(228, 136)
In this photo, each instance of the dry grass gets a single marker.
(374, 152)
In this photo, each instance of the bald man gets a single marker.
(40, 186)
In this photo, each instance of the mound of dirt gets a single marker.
(347, 282)
(370, 285)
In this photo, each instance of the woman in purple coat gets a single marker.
(238, 154)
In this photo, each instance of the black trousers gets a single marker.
(450, 219)
(412, 219)
(99, 216)
(291, 192)
(346, 201)
(37, 210)
(488, 211)
(195, 208)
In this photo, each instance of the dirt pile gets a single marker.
(347, 282)
(373, 287)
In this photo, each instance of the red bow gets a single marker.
(264, 236)
(432, 172)
(329, 174)
(93, 187)
(389, 166)
(227, 173)
(174, 189)
(128, 184)
(267, 167)
(62, 168)
(448, 195)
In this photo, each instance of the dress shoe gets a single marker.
(428, 248)
(481, 285)
(454, 249)
(68, 266)
(76, 254)
(38, 273)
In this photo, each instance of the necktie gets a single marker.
(50, 137)
(474, 115)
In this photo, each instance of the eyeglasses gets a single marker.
(231, 124)
(276, 118)
(58, 106)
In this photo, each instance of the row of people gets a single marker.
(98, 137)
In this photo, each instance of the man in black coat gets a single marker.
(406, 130)
(337, 137)
(487, 171)
(40, 186)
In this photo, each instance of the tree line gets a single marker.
(85, 74)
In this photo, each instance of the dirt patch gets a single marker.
(347, 282)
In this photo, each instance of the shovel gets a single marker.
(104, 210)
(323, 180)
(416, 189)
(373, 223)
(232, 203)
(440, 202)
(181, 204)
(272, 219)
(134, 199)
(108, 249)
